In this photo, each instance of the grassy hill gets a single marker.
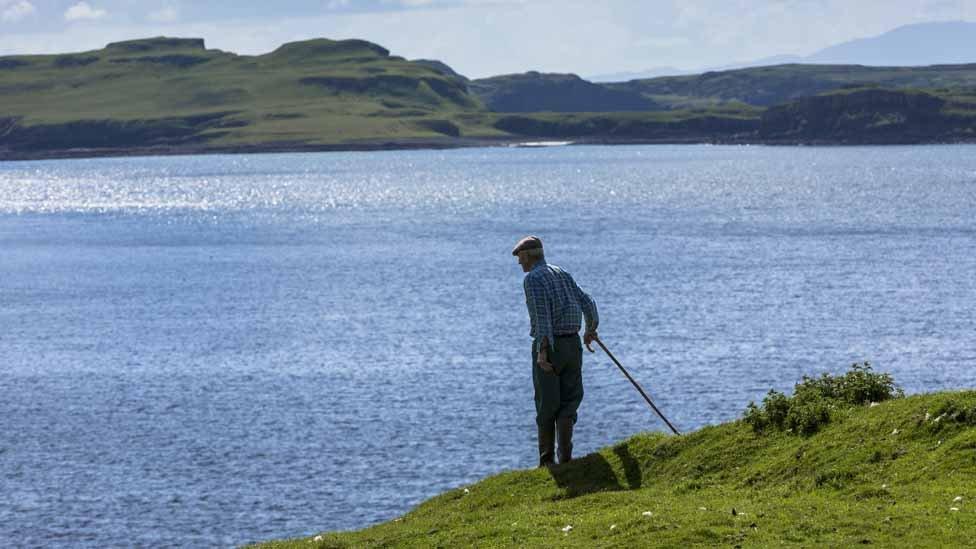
(534, 91)
(771, 85)
(900, 473)
(754, 86)
(164, 95)
(168, 91)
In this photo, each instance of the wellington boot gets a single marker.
(547, 443)
(564, 434)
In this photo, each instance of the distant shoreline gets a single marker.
(427, 144)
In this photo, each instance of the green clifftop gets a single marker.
(900, 473)
(174, 92)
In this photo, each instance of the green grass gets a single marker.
(887, 475)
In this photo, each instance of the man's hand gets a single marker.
(543, 361)
(589, 337)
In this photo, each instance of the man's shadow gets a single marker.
(594, 473)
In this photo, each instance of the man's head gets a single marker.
(528, 251)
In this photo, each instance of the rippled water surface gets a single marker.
(208, 351)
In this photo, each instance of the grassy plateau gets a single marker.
(829, 466)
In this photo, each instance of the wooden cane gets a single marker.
(636, 385)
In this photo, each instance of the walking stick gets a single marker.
(636, 385)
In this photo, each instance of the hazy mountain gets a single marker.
(764, 62)
(940, 43)
(921, 44)
(649, 73)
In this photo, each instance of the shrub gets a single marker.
(815, 399)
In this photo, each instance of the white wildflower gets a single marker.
(317, 538)
(612, 526)
(702, 509)
(567, 528)
(873, 404)
(895, 432)
(466, 491)
(647, 514)
(953, 508)
(958, 499)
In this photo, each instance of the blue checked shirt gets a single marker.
(556, 304)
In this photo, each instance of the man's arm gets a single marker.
(590, 315)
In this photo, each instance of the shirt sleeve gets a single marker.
(539, 315)
(589, 309)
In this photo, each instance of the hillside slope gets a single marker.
(898, 474)
(173, 91)
(534, 91)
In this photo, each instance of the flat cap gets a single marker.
(527, 243)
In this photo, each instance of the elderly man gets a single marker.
(556, 307)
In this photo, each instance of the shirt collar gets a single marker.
(538, 265)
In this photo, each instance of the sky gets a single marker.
(481, 38)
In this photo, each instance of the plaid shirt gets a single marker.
(556, 304)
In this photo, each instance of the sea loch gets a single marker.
(223, 349)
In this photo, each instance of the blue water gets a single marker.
(209, 351)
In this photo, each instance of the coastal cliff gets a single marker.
(174, 96)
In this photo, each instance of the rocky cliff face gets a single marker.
(861, 116)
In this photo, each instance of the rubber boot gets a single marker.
(547, 443)
(564, 433)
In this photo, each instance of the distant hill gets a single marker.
(534, 91)
(757, 87)
(173, 95)
(765, 86)
(639, 75)
(943, 43)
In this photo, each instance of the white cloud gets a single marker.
(15, 11)
(168, 14)
(83, 10)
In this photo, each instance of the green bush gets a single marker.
(814, 400)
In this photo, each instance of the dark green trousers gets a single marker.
(559, 394)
